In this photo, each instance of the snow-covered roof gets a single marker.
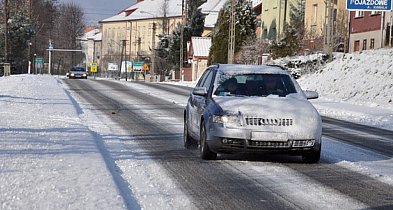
(256, 3)
(89, 34)
(147, 9)
(97, 37)
(211, 8)
(201, 46)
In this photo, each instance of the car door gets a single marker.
(202, 100)
(195, 105)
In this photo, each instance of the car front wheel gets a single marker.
(205, 152)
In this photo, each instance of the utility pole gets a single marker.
(30, 9)
(390, 28)
(232, 33)
(121, 59)
(182, 36)
(153, 43)
(29, 41)
(328, 35)
(5, 31)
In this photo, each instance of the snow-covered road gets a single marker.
(68, 147)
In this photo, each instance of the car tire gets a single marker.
(205, 151)
(186, 136)
(312, 157)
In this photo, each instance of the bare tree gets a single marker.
(69, 27)
(165, 19)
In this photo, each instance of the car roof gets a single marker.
(77, 68)
(249, 69)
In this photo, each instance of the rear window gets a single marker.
(254, 85)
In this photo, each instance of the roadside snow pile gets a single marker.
(300, 65)
(362, 78)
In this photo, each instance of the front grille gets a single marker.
(259, 121)
(269, 144)
(278, 144)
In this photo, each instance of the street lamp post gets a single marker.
(29, 57)
(153, 43)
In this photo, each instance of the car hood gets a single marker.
(307, 123)
(266, 106)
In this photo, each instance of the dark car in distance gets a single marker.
(77, 72)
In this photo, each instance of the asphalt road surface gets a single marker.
(237, 181)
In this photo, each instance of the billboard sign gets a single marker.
(126, 65)
(137, 66)
(369, 5)
(113, 67)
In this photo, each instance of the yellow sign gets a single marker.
(93, 67)
(145, 67)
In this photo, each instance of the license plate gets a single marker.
(269, 136)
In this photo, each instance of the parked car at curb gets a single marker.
(252, 109)
(77, 72)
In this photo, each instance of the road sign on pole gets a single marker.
(369, 5)
(93, 68)
(39, 60)
(137, 66)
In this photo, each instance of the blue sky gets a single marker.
(96, 10)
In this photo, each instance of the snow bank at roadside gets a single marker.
(361, 78)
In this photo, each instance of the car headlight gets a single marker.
(84, 75)
(72, 74)
(227, 119)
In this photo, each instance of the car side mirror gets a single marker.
(200, 91)
(311, 94)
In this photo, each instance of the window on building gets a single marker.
(315, 15)
(356, 46)
(372, 43)
(359, 14)
(375, 12)
(275, 4)
(364, 47)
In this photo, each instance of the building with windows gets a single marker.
(87, 43)
(133, 32)
(257, 9)
(369, 30)
(198, 54)
(274, 14)
(316, 20)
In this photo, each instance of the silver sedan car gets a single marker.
(252, 109)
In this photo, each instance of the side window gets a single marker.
(208, 81)
(202, 79)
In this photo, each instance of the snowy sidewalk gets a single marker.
(48, 158)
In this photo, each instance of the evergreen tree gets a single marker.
(193, 6)
(197, 23)
(168, 51)
(245, 28)
(292, 40)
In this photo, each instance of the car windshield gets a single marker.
(77, 69)
(254, 85)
